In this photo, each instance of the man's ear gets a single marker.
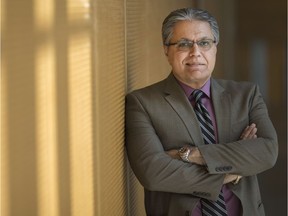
(165, 50)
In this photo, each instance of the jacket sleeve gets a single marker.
(155, 170)
(246, 157)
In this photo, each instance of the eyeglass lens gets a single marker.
(203, 45)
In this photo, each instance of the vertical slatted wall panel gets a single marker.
(109, 92)
(137, 76)
(48, 142)
(46, 130)
(4, 133)
(80, 102)
(19, 122)
(136, 15)
(45, 96)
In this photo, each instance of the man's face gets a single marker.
(195, 65)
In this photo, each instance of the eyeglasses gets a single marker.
(186, 45)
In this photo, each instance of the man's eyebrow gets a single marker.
(201, 38)
(205, 37)
(184, 39)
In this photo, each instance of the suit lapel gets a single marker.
(177, 99)
(222, 108)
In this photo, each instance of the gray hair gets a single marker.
(187, 14)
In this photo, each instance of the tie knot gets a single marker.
(197, 94)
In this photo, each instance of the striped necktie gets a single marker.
(218, 207)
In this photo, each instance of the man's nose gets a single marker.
(194, 50)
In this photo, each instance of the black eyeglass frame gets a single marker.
(192, 42)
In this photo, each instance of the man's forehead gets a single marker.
(192, 30)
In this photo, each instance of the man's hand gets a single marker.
(173, 154)
(231, 178)
(196, 156)
(249, 132)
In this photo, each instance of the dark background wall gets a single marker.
(253, 47)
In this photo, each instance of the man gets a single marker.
(172, 128)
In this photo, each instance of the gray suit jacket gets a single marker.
(160, 117)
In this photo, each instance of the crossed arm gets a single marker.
(146, 140)
(196, 157)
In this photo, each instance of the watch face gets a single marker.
(183, 150)
(184, 153)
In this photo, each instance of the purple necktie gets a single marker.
(218, 207)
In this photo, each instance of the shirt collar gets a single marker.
(188, 90)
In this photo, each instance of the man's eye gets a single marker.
(204, 43)
(184, 45)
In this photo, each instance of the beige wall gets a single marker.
(66, 67)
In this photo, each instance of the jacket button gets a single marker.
(219, 169)
(227, 168)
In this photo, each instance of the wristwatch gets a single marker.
(184, 153)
